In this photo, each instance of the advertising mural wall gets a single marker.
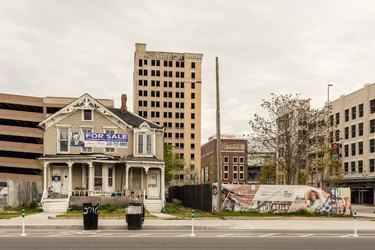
(98, 140)
(282, 199)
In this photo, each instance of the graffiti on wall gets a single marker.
(282, 199)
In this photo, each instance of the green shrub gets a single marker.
(302, 212)
(75, 208)
(33, 205)
(109, 208)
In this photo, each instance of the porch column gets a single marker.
(91, 177)
(45, 173)
(162, 186)
(83, 176)
(126, 178)
(70, 177)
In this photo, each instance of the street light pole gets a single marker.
(218, 137)
(328, 112)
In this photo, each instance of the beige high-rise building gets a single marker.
(167, 91)
(353, 115)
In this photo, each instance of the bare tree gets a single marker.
(285, 131)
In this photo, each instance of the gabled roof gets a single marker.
(87, 102)
(133, 119)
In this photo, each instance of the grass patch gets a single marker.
(12, 212)
(105, 211)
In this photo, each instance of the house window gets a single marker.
(193, 65)
(63, 140)
(226, 159)
(110, 177)
(87, 114)
(87, 149)
(144, 143)
(98, 177)
(192, 156)
(109, 150)
(235, 159)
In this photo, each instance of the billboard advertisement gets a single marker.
(98, 140)
(282, 199)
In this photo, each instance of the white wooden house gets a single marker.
(91, 150)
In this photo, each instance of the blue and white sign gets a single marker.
(103, 140)
(98, 140)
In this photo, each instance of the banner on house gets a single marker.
(99, 140)
(282, 199)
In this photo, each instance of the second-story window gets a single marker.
(63, 140)
(144, 143)
(87, 131)
(87, 115)
(109, 150)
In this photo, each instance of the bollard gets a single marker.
(23, 223)
(192, 222)
(355, 224)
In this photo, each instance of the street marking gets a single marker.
(307, 235)
(139, 235)
(345, 236)
(224, 235)
(182, 235)
(266, 235)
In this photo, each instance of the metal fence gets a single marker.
(194, 196)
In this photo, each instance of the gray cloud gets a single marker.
(67, 48)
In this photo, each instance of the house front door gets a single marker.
(56, 181)
(153, 184)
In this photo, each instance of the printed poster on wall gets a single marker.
(98, 140)
(282, 198)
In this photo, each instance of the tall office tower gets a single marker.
(167, 91)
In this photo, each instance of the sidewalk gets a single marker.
(163, 221)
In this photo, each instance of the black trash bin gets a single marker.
(90, 216)
(135, 214)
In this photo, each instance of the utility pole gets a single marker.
(218, 137)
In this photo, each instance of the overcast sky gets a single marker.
(72, 47)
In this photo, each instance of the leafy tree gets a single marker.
(268, 171)
(211, 167)
(285, 131)
(172, 162)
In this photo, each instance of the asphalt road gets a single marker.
(182, 239)
(187, 243)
